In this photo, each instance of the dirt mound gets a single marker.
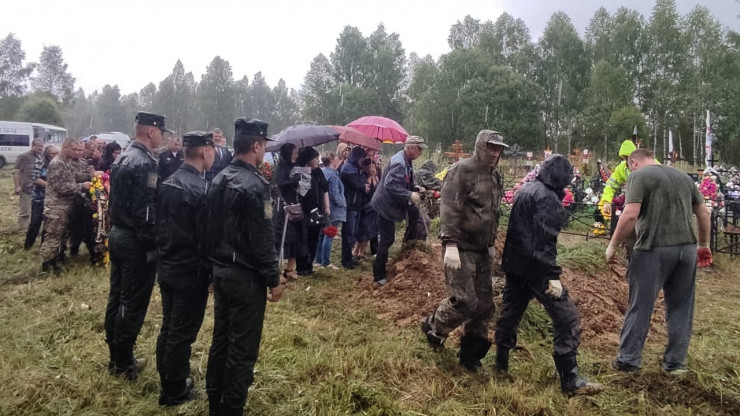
(415, 285)
(602, 301)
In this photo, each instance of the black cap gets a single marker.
(197, 139)
(150, 119)
(250, 127)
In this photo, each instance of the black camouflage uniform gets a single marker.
(529, 261)
(133, 187)
(245, 264)
(183, 272)
(469, 213)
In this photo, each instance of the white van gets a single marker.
(15, 138)
(121, 138)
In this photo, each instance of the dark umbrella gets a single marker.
(303, 135)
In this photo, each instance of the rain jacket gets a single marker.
(536, 217)
(354, 180)
(181, 224)
(240, 221)
(471, 196)
(337, 201)
(392, 198)
(620, 174)
(133, 190)
(425, 176)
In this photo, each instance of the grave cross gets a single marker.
(457, 152)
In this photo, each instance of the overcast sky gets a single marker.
(134, 42)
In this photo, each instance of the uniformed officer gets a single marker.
(133, 185)
(183, 271)
(61, 189)
(245, 265)
(170, 159)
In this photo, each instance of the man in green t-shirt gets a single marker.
(659, 206)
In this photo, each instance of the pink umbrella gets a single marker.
(384, 129)
(354, 136)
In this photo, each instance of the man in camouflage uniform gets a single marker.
(23, 182)
(61, 189)
(469, 211)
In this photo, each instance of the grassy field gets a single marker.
(324, 352)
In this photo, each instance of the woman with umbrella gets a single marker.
(290, 236)
(315, 204)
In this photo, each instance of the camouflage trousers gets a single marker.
(56, 221)
(469, 299)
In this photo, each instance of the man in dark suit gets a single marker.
(170, 159)
(223, 156)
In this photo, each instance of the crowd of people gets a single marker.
(197, 215)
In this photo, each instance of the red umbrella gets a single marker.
(385, 129)
(354, 136)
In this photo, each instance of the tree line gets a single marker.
(563, 91)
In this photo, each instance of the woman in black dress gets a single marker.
(292, 244)
(315, 204)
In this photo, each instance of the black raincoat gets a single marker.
(534, 225)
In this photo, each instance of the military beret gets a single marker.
(150, 119)
(250, 127)
(197, 139)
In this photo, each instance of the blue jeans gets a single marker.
(349, 235)
(323, 250)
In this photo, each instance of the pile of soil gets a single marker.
(416, 286)
(602, 301)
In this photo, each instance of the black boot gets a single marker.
(215, 407)
(472, 350)
(51, 266)
(502, 359)
(177, 392)
(112, 361)
(570, 382)
(126, 365)
(434, 341)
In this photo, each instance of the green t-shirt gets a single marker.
(668, 197)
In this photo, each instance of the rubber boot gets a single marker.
(472, 350)
(126, 364)
(502, 359)
(215, 407)
(571, 383)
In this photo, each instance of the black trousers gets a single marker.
(563, 312)
(305, 263)
(131, 284)
(388, 236)
(34, 226)
(81, 227)
(240, 297)
(184, 298)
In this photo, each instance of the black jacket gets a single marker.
(181, 224)
(534, 225)
(354, 181)
(220, 163)
(168, 164)
(240, 214)
(133, 189)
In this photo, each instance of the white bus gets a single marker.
(16, 136)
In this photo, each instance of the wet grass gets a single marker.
(324, 355)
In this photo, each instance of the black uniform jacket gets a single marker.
(240, 231)
(133, 189)
(181, 223)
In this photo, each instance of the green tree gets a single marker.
(508, 41)
(262, 99)
(217, 97)
(351, 57)
(40, 108)
(287, 112)
(608, 90)
(52, 77)
(108, 112)
(79, 116)
(175, 99)
(13, 75)
(563, 73)
(387, 70)
(317, 86)
(147, 95)
(464, 34)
